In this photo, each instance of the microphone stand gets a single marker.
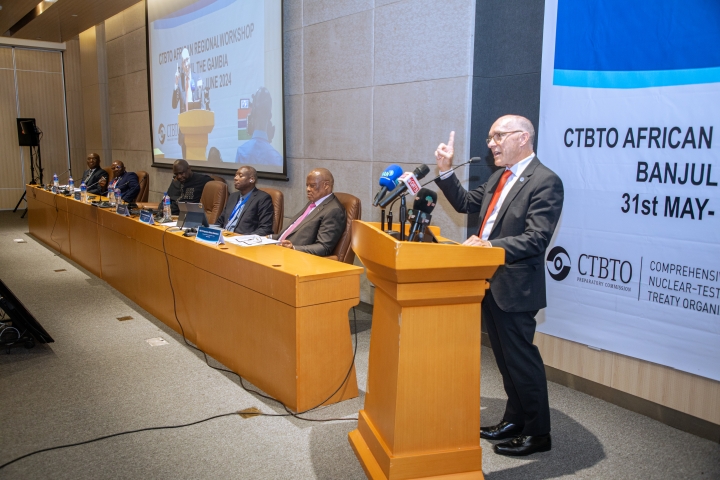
(403, 217)
(472, 160)
(382, 219)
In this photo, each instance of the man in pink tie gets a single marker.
(317, 228)
(519, 208)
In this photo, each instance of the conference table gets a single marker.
(275, 316)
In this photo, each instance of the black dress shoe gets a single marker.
(524, 445)
(501, 431)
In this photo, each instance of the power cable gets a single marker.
(115, 435)
(288, 414)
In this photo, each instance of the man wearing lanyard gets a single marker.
(519, 207)
(248, 211)
(317, 228)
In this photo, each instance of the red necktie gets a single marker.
(494, 199)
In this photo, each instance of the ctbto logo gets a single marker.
(605, 268)
(161, 133)
(558, 264)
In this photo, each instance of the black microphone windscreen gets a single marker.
(425, 200)
(421, 171)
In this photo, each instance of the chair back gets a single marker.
(278, 207)
(144, 182)
(109, 171)
(218, 178)
(213, 199)
(353, 211)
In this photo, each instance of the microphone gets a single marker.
(101, 179)
(425, 201)
(388, 181)
(408, 180)
(472, 160)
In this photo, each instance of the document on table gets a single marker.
(250, 240)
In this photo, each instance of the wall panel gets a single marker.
(41, 95)
(6, 60)
(38, 60)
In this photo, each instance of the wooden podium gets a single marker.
(422, 405)
(196, 125)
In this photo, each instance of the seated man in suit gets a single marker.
(248, 211)
(127, 182)
(185, 187)
(95, 178)
(318, 227)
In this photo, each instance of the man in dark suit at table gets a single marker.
(248, 211)
(95, 178)
(127, 182)
(519, 207)
(317, 228)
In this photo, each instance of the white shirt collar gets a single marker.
(519, 167)
(318, 202)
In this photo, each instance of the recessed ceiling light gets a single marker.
(73, 15)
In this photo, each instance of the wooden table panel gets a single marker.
(84, 237)
(276, 316)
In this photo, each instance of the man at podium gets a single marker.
(519, 208)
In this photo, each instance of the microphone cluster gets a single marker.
(398, 184)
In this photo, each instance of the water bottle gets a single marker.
(71, 184)
(118, 196)
(83, 192)
(167, 214)
(111, 195)
(56, 183)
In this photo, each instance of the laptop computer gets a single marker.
(192, 215)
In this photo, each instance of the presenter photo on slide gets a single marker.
(258, 150)
(184, 84)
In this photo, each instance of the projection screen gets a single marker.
(215, 79)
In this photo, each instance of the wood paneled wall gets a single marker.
(33, 87)
(682, 391)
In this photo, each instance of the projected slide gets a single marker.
(216, 93)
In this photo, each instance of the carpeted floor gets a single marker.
(102, 377)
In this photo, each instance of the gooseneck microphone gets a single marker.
(472, 160)
(388, 181)
(425, 201)
(407, 179)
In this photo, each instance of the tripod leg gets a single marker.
(18, 204)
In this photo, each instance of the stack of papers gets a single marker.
(250, 240)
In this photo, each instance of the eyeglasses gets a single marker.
(498, 137)
(116, 167)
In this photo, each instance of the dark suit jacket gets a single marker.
(129, 186)
(320, 231)
(523, 228)
(92, 182)
(256, 217)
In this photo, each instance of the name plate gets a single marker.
(122, 210)
(77, 196)
(147, 217)
(212, 236)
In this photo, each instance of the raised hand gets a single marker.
(444, 154)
